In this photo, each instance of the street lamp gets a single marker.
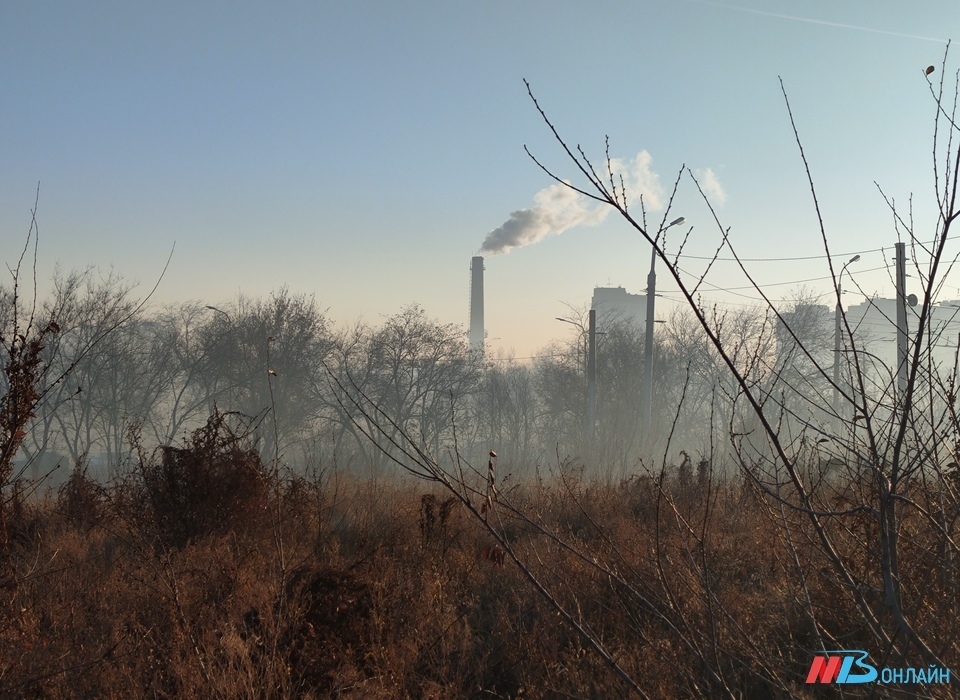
(836, 337)
(583, 338)
(646, 395)
(219, 311)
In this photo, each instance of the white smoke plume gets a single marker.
(639, 179)
(558, 208)
(711, 186)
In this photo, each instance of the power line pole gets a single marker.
(592, 379)
(902, 318)
(837, 318)
(646, 392)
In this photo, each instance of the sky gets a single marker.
(363, 152)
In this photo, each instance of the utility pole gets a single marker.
(838, 315)
(592, 379)
(646, 390)
(901, 319)
(646, 395)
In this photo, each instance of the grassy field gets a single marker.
(201, 576)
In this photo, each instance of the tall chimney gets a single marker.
(477, 334)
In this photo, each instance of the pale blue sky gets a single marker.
(362, 151)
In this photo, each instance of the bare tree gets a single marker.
(505, 411)
(184, 369)
(264, 355)
(417, 370)
(101, 351)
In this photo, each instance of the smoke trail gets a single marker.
(711, 186)
(558, 208)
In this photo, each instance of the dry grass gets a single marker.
(376, 599)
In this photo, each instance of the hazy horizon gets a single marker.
(364, 154)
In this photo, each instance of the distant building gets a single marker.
(875, 322)
(874, 326)
(614, 304)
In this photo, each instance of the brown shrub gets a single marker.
(80, 500)
(434, 514)
(215, 483)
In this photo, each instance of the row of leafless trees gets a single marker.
(279, 360)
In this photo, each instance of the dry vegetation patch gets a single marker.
(383, 593)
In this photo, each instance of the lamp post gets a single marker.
(219, 311)
(583, 333)
(838, 317)
(646, 393)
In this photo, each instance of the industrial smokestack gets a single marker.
(477, 333)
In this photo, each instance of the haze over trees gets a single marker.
(283, 365)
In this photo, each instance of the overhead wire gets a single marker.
(788, 259)
(732, 290)
(802, 257)
(735, 290)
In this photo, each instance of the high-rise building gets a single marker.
(615, 304)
